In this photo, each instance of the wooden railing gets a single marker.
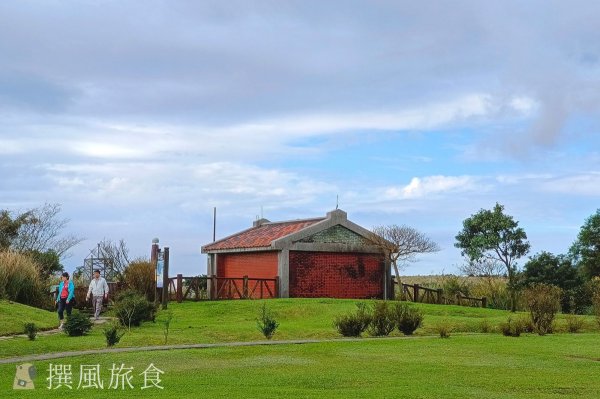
(198, 288)
(418, 293)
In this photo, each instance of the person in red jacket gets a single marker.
(66, 294)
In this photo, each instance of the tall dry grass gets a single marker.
(20, 280)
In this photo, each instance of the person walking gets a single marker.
(65, 297)
(99, 292)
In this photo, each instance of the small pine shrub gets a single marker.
(166, 324)
(31, 330)
(132, 308)
(407, 318)
(574, 323)
(77, 324)
(353, 324)
(113, 334)
(266, 323)
(382, 319)
(543, 302)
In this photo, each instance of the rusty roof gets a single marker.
(260, 236)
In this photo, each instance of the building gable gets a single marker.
(337, 234)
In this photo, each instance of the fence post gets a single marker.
(416, 293)
(484, 302)
(439, 295)
(245, 287)
(213, 284)
(179, 288)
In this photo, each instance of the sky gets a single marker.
(140, 117)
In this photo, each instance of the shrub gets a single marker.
(131, 309)
(113, 334)
(444, 328)
(543, 302)
(31, 330)
(512, 328)
(353, 324)
(382, 319)
(166, 324)
(574, 323)
(595, 293)
(485, 326)
(20, 280)
(407, 318)
(140, 276)
(77, 324)
(266, 323)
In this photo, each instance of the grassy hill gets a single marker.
(14, 315)
(231, 321)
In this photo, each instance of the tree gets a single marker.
(490, 234)
(47, 262)
(401, 244)
(585, 251)
(9, 227)
(557, 270)
(42, 231)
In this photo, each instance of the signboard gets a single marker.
(160, 263)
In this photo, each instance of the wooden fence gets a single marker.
(196, 288)
(418, 293)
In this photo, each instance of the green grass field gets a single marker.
(466, 365)
(234, 321)
(473, 366)
(13, 315)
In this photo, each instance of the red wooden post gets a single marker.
(213, 285)
(179, 288)
(245, 287)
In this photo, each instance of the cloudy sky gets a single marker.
(139, 117)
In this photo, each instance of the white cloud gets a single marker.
(431, 186)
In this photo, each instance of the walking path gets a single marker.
(58, 355)
(100, 320)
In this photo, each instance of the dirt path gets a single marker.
(49, 356)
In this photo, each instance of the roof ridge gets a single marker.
(294, 221)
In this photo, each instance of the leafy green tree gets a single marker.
(557, 270)
(9, 227)
(47, 262)
(493, 235)
(585, 251)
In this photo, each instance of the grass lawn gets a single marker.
(473, 366)
(229, 321)
(14, 315)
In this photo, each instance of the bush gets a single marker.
(382, 319)
(512, 328)
(444, 328)
(113, 334)
(20, 279)
(407, 318)
(77, 324)
(140, 277)
(485, 326)
(266, 323)
(31, 330)
(543, 302)
(595, 293)
(574, 323)
(131, 308)
(353, 324)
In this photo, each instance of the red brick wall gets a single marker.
(251, 264)
(335, 275)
